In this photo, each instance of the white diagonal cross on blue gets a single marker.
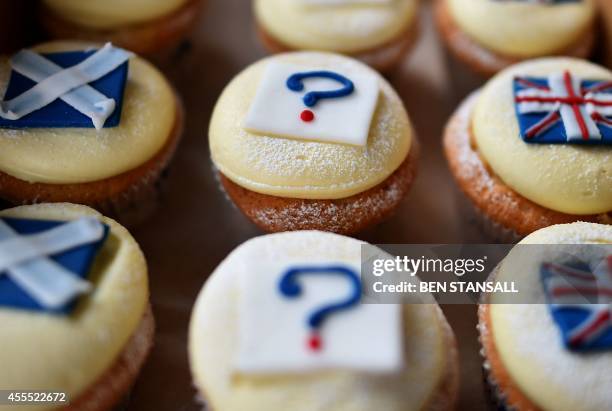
(25, 259)
(69, 84)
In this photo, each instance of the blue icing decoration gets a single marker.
(58, 113)
(289, 287)
(547, 126)
(295, 83)
(583, 326)
(77, 260)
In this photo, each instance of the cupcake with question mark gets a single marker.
(279, 326)
(313, 140)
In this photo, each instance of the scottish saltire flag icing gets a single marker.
(580, 301)
(65, 89)
(44, 264)
(564, 109)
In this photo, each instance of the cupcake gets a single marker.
(490, 35)
(143, 26)
(554, 355)
(89, 126)
(262, 337)
(377, 32)
(74, 308)
(533, 147)
(311, 140)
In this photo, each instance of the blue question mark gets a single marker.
(295, 82)
(290, 288)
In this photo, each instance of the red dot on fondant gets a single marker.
(315, 343)
(307, 116)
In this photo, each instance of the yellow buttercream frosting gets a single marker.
(306, 169)
(214, 331)
(562, 177)
(109, 14)
(79, 155)
(69, 353)
(523, 29)
(529, 343)
(344, 28)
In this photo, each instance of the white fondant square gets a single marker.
(273, 329)
(276, 109)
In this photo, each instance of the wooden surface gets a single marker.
(196, 227)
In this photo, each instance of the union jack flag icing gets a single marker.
(564, 109)
(580, 301)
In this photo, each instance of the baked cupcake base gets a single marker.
(492, 231)
(112, 387)
(163, 33)
(500, 389)
(447, 394)
(383, 58)
(505, 213)
(483, 61)
(503, 392)
(344, 216)
(129, 197)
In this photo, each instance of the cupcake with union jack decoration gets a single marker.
(551, 349)
(533, 148)
(490, 35)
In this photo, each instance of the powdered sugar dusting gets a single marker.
(575, 233)
(538, 347)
